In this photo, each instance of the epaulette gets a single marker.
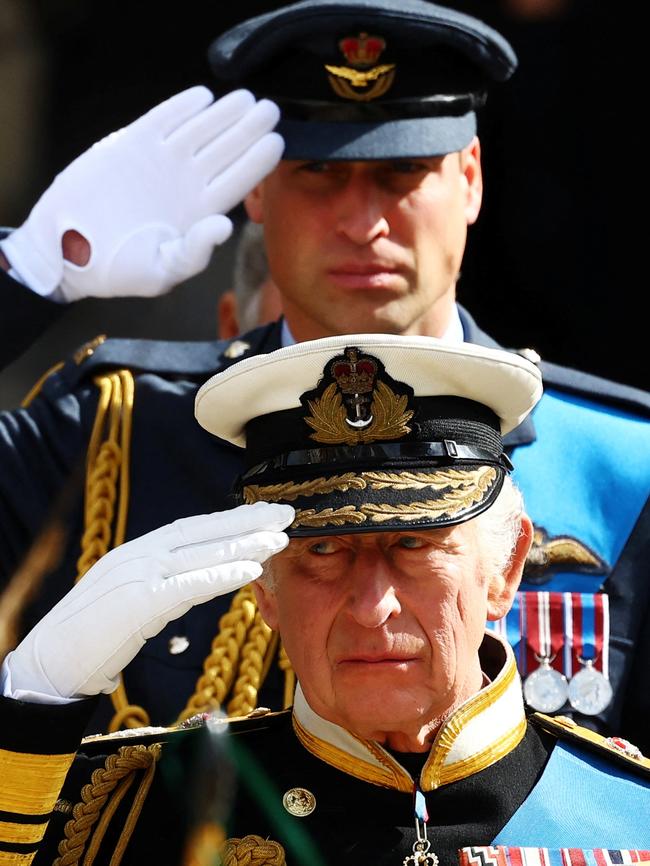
(164, 357)
(168, 358)
(595, 388)
(611, 748)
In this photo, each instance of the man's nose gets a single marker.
(372, 598)
(361, 211)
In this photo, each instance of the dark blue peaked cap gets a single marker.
(366, 79)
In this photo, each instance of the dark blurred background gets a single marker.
(551, 263)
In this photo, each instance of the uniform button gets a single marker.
(178, 644)
(299, 802)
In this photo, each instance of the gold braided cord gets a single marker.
(253, 851)
(126, 715)
(106, 788)
(289, 677)
(220, 667)
(107, 499)
(243, 639)
(249, 681)
(36, 388)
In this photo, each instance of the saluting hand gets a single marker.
(150, 199)
(131, 593)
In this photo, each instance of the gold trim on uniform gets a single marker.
(568, 729)
(479, 733)
(290, 490)
(467, 488)
(31, 783)
(439, 480)
(88, 349)
(26, 834)
(11, 858)
(328, 516)
(387, 776)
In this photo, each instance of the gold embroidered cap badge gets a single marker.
(361, 81)
(357, 407)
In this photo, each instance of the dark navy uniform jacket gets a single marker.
(328, 798)
(582, 461)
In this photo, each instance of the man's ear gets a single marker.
(503, 587)
(227, 322)
(470, 163)
(253, 204)
(267, 603)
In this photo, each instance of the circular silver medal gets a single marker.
(546, 689)
(589, 690)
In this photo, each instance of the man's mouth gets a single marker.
(356, 275)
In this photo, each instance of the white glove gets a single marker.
(149, 198)
(131, 593)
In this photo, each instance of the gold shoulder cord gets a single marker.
(244, 646)
(100, 800)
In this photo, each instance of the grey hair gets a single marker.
(500, 528)
(250, 270)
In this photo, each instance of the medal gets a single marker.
(590, 691)
(421, 855)
(561, 639)
(546, 688)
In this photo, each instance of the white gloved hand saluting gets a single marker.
(80, 647)
(150, 199)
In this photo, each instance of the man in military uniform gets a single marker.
(381, 457)
(365, 222)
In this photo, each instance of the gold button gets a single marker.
(299, 802)
(88, 349)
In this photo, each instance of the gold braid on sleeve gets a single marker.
(99, 801)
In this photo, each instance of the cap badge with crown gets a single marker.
(361, 80)
(358, 405)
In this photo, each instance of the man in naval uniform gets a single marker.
(365, 221)
(376, 494)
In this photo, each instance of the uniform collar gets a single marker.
(479, 733)
(453, 334)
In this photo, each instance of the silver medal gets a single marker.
(589, 690)
(546, 689)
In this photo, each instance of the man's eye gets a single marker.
(402, 166)
(315, 167)
(323, 548)
(410, 542)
